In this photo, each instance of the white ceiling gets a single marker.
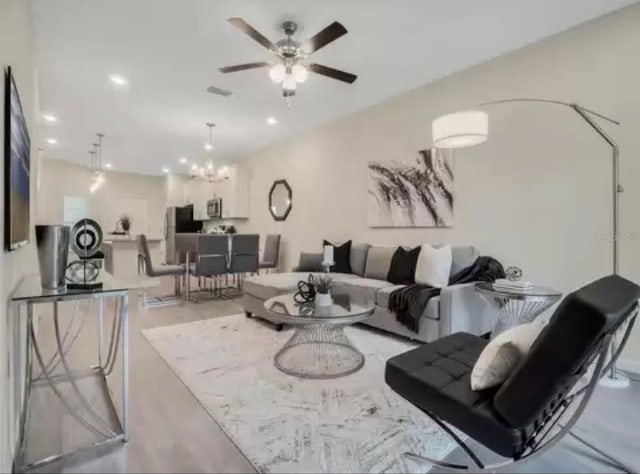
(170, 50)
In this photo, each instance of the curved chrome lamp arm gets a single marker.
(548, 101)
(588, 116)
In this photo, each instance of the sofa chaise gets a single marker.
(458, 308)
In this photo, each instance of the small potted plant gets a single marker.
(125, 222)
(323, 284)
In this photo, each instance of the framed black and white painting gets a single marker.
(17, 168)
(418, 193)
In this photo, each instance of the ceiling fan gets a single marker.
(290, 67)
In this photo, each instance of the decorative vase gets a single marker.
(52, 242)
(323, 299)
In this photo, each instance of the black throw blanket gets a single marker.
(409, 302)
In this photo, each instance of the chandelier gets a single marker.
(207, 169)
(97, 174)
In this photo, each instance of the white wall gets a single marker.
(536, 195)
(17, 51)
(121, 193)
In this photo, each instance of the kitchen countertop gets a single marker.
(110, 239)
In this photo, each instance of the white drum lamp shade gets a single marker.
(460, 129)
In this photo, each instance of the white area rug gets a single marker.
(285, 424)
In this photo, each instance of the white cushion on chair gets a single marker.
(501, 356)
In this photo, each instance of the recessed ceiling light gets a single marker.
(118, 80)
(208, 146)
(52, 141)
(165, 170)
(183, 160)
(108, 166)
(49, 118)
(272, 121)
(194, 167)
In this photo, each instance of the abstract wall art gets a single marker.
(411, 194)
(17, 168)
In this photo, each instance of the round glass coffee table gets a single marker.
(318, 349)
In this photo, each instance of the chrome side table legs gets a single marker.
(84, 396)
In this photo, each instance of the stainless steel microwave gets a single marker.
(214, 208)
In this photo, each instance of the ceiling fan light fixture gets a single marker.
(277, 73)
(300, 73)
(289, 82)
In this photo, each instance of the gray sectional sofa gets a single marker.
(458, 308)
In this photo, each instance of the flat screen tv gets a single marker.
(16, 169)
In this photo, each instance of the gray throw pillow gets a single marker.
(359, 258)
(310, 262)
(379, 262)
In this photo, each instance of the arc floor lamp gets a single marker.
(471, 127)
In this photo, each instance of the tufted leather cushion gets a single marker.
(563, 351)
(436, 378)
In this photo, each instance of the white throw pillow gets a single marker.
(501, 356)
(433, 266)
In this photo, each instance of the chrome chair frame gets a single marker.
(541, 440)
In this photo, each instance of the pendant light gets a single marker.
(207, 170)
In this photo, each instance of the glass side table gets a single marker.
(515, 308)
(56, 394)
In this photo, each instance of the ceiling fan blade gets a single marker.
(333, 73)
(244, 67)
(331, 33)
(218, 91)
(247, 29)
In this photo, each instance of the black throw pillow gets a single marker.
(403, 266)
(341, 257)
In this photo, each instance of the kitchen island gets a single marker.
(121, 255)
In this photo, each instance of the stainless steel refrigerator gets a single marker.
(178, 220)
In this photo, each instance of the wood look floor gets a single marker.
(172, 432)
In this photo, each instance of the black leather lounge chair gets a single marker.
(524, 416)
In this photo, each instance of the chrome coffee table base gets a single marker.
(319, 351)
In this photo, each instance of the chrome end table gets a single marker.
(319, 349)
(53, 377)
(514, 307)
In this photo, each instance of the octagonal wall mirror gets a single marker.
(280, 200)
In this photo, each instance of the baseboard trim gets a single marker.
(629, 365)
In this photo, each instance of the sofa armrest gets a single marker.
(462, 309)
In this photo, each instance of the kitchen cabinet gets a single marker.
(198, 192)
(234, 193)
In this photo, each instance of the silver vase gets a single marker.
(53, 250)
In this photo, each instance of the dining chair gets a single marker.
(211, 260)
(271, 254)
(245, 256)
(147, 268)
